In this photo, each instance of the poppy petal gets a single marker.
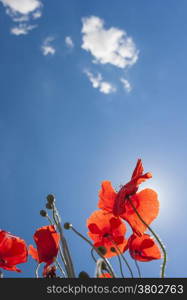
(105, 275)
(119, 240)
(115, 223)
(107, 196)
(147, 205)
(138, 169)
(141, 252)
(13, 251)
(33, 252)
(47, 242)
(112, 231)
(147, 243)
(10, 268)
(94, 228)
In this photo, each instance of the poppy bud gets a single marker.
(49, 206)
(50, 198)
(112, 249)
(67, 225)
(102, 250)
(83, 275)
(103, 266)
(43, 213)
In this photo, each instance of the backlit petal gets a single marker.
(107, 196)
(147, 205)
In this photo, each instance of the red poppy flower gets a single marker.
(107, 231)
(13, 251)
(143, 248)
(47, 242)
(105, 275)
(145, 202)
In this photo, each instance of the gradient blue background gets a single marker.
(59, 135)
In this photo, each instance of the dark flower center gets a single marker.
(106, 235)
(2, 261)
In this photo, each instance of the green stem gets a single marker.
(123, 257)
(120, 266)
(156, 237)
(86, 240)
(66, 254)
(60, 249)
(92, 255)
(36, 271)
(60, 267)
(138, 268)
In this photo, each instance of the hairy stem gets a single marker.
(36, 271)
(60, 249)
(66, 254)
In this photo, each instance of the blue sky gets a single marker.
(68, 121)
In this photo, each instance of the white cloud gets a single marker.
(111, 45)
(22, 29)
(37, 14)
(106, 87)
(22, 11)
(21, 6)
(126, 84)
(47, 48)
(69, 42)
(97, 82)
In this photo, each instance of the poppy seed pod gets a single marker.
(83, 275)
(102, 250)
(43, 213)
(49, 206)
(67, 226)
(50, 198)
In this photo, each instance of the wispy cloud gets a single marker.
(108, 46)
(98, 82)
(22, 29)
(47, 48)
(22, 12)
(69, 42)
(126, 84)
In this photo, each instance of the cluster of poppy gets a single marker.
(106, 226)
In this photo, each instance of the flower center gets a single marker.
(106, 235)
(2, 261)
